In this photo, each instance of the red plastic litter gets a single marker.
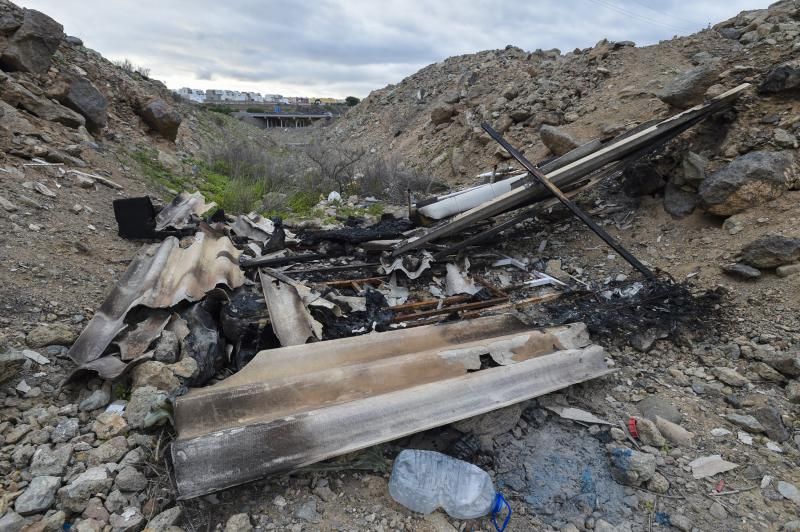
(720, 486)
(632, 427)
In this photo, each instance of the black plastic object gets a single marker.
(136, 218)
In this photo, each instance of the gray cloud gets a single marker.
(342, 47)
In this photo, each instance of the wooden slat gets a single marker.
(228, 457)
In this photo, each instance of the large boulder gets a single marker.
(161, 117)
(40, 105)
(771, 251)
(557, 141)
(80, 95)
(31, 47)
(784, 77)
(689, 88)
(751, 179)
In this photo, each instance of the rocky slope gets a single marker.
(66, 462)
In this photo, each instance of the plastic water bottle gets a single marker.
(425, 480)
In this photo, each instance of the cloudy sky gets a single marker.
(350, 47)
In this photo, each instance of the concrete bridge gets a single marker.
(283, 120)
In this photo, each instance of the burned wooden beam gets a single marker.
(279, 261)
(577, 211)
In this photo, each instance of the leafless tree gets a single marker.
(336, 163)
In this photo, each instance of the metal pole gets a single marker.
(541, 178)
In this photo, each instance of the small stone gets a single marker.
(38, 496)
(11, 522)
(109, 424)
(649, 433)
(96, 510)
(770, 419)
(7, 205)
(324, 493)
(111, 451)
(730, 376)
(658, 405)
(164, 520)
(307, 511)
(632, 468)
(771, 251)
(10, 364)
(787, 270)
(748, 423)
(658, 483)
(130, 520)
(153, 373)
(681, 522)
(168, 348)
(187, 368)
(279, 501)
(789, 491)
(793, 392)
(238, 523)
(130, 479)
(144, 401)
(50, 334)
(742, 270)
(557, 140)
(50, 462)
(784, 139)
(718, 511)
(75, 495)
(66, 429)
(97, 399)
(17, 433)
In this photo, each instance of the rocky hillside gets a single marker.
(545, 101)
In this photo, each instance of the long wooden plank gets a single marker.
(229, 457)
(563, 176)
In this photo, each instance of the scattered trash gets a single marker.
(425, 480)
(576, 414)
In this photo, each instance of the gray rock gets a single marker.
(784, 139)
(10, 364)
(784, 77)
(75, 495)
(111, 451)
(130, 520)
(50, 334)
(130, 479)
(718, 511)
(748, 423)
(162, 118)
(153, 373)
(770, 418)
(165, 519)
(31, 47)
(787, 270)
(791, 526)
(793, 392)
(238, 523)
(307, 511)
(442, 114)
(109, 424)
(730, 376)
(97, 399)
(688, 89)
(632, 468)
(66, 429)
(38, 496)
(143, 402)
(789, 491)
(557, 141)
(787, 363)
(116, 501)
(771, 251)
(681, 522)
(168, 348)
(654, 406)
(83, 97)
(74, 41)
(751, 179)
(737, 269)
(658, 484)
(678, 202)
(11, 522)
(53, 462)
(7, 205)
(733, 34)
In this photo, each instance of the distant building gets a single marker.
(193, 95)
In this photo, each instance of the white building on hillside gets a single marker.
(194, 95)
